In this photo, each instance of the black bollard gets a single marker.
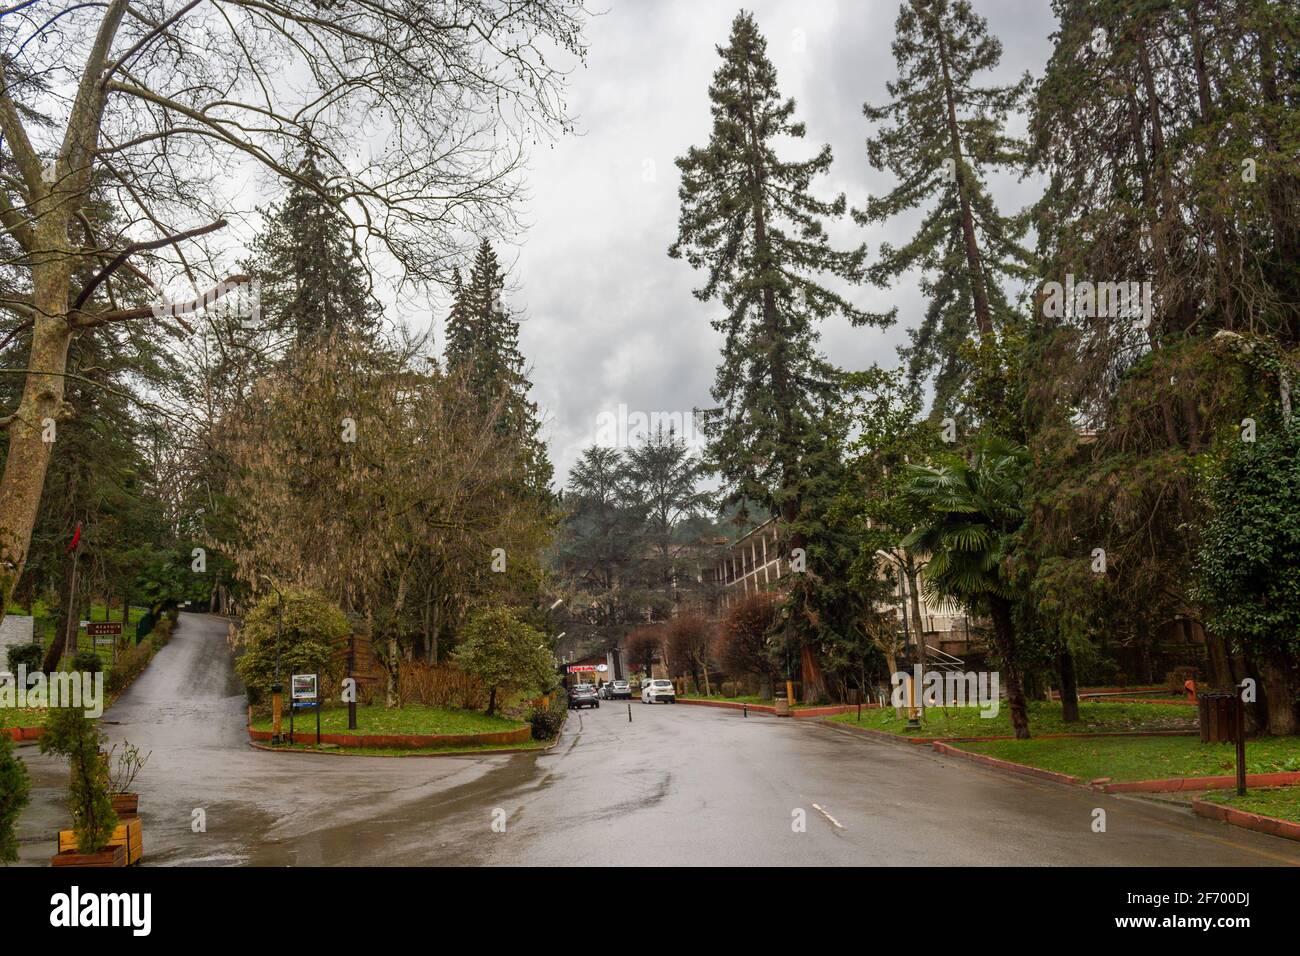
(746, 706)
(629, 713)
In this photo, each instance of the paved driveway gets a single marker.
(676, 785)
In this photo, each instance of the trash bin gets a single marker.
(1218, 717)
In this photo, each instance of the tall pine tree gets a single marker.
(749, 221)
(482, 343)
(313, 284)
(940, 135)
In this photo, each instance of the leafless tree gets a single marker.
(420, 112)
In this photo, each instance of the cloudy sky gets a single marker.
(608, 318)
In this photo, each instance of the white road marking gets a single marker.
(828, 816)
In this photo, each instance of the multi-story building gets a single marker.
(755, 562)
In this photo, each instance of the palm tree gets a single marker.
(971, 512)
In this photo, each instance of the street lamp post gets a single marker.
(277, 688)
(913, 712)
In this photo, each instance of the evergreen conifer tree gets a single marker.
(941, 134)
(750, 222)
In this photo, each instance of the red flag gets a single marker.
(76, 538)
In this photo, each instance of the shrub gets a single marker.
(130, 662)
(505, 653)
(14, 788)
(440, 685)
(162, 632)
(70, 733)
(300, 643)
(741, 645)
(123, 771)
(546, 722)
(29, 656)
(87, 661)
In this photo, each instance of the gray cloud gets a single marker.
(609, 317)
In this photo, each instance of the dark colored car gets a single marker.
(583, 695)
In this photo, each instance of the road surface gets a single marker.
(678, 785)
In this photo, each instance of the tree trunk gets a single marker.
(974, 261)
(492, 701)
(1004, 636)
(915, 600)
(1279, 693)
(392, 663)
(1069, 689)
(892, 660)
(1222, 677)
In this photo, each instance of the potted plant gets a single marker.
(121, 776)
(70, 733)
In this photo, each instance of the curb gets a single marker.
(467, 753)
(1282, 778)
(1273, 826)
(409, 741)
(1007, 766)
(799, 712)
(1181, 701)
(1168, 785)
(17, 734)
(980, 740)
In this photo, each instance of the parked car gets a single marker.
(653, 691)
(618, 690)
(582, 695)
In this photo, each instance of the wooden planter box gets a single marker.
(112, 856)
(128, 837)
(126, 804)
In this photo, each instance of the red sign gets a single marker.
(104, 628)
(581, 668)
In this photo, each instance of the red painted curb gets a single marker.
(452, 753)
(832, 709)
(1175, 784)
(883, 734)
(1138, 689)
(829, 710)
(981, 740)
(1147, 700)
(727, 704)
(23, 733)
(1008, 766)
(1251, 821)
(1089, 736)
(405, 741)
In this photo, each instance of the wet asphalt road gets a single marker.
(677, 785)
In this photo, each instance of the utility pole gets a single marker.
(352, 685)
(73, 624)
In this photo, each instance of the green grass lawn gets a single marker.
(1143, 758)
(1044, 718)
(21, 717)
(1280, 802)
(43, 623)
(411, 719)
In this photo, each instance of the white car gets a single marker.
(657, 690)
